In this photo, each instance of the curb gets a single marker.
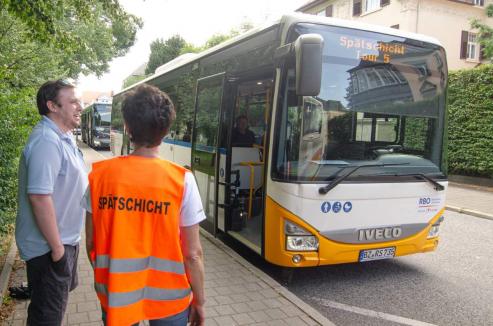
(469, 212)
(309, 311)
(7, 269)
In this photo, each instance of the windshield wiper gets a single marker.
(436, 185)
(325, 189)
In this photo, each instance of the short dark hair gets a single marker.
(148, 113)
(239, 118)
(49, 92)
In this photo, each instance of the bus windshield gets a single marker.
(102, 114)
(382, 100)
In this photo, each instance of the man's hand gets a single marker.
(57, 253)
(197, 315)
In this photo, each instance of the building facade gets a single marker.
(447, 20)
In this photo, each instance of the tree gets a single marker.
(165, 51)
(219, 38)
(485, 34)
(25, 62)
(88, 33)
(41, 40)
(130, 80)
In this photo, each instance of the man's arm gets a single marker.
(44, 214)
(194, 267)
(89, 237)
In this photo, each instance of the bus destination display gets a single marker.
(365, 49)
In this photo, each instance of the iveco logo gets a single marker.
(380, 233)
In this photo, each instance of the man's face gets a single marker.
(242, 125)
(66, 110)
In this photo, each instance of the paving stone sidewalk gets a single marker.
(235, 296)
(237, 293)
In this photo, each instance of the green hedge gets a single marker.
(470, 122)
(17, 117)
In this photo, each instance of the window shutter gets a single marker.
(357, 7)
(328, 11)
(384, 3)
(463, 44)
(481, 52)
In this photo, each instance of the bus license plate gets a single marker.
(376, 254)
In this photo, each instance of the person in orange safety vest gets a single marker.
(142, 232)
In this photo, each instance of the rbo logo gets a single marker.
(425, 201)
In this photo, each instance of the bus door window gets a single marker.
(250, 114)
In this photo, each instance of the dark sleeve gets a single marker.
(251, 137)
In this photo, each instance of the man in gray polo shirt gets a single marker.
(52, 181)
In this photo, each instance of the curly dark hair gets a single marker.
(148, 113)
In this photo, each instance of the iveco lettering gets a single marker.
(380, 234)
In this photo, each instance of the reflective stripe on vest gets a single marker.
(119, 299)
(129, 265)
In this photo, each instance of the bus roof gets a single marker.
(287, 20)
(107, 102)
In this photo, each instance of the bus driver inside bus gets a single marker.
(242, 136)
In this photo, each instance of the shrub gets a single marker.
(17, 117)
(470, 122)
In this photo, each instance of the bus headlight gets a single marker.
(299, 239)
(301, 243)
(433, 231)
(435, 228)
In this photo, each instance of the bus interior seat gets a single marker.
(247, 154)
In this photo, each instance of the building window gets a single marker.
(479, 3)
(329, 11)
(366, 6)
(472, 47)
(371, 5)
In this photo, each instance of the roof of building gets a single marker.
(310, 4)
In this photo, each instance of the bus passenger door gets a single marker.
(205, 149)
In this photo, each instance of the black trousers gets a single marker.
(50, 284)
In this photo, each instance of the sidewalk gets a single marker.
(237, 293)
(472, 200)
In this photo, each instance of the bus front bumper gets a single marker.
(331, 252)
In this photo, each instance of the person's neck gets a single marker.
(152, 152)
(64, 129)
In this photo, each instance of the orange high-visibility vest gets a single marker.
(138, 264)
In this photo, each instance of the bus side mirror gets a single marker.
(308, 50)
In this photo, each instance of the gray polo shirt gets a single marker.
(52, 164)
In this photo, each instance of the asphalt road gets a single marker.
(451, 286)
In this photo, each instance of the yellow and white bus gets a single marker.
(346, 162)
